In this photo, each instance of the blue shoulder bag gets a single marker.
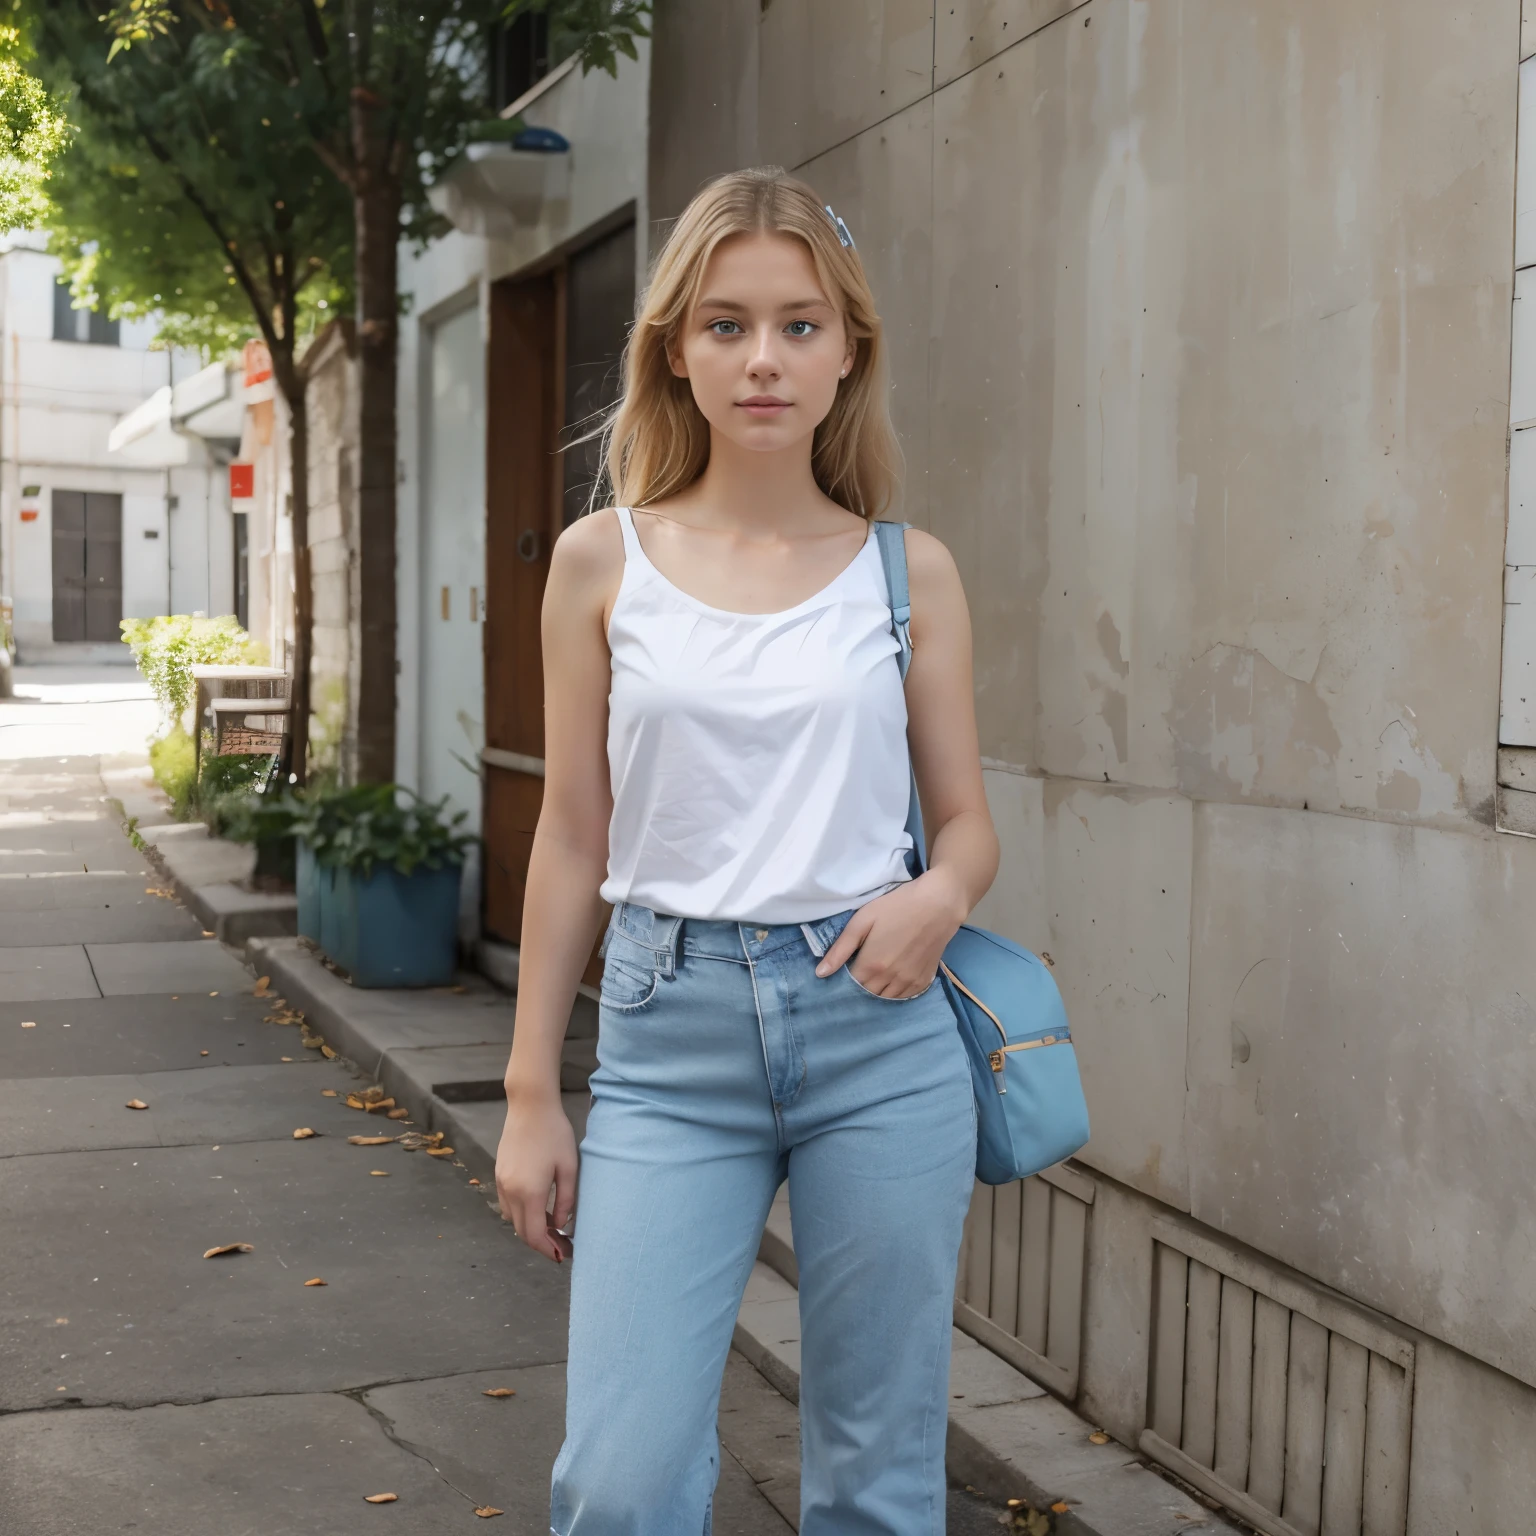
(1030, 1110)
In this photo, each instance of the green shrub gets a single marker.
(169, 646)
(172, 760)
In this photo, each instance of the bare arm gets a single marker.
(562, 910)
(899, 937)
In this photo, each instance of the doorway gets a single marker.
(556, 339)
(87, 565)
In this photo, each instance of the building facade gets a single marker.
(1201, 326)
(509, 346)
(88, 536)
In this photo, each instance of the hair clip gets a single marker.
(841, 228)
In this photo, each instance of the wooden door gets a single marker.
(523, 494)
(69, 565)
(87, 565)
(103, 566)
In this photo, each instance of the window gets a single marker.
(71, 324)
(520, 57)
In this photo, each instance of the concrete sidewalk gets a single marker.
(150, 1388)
(443, 1053)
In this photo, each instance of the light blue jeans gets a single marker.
(727, 1065)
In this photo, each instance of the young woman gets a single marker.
(726, 743)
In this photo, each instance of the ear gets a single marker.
(848, 359)
(675, 360)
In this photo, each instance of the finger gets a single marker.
(563, 1207)
(848, 942)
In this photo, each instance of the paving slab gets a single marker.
(193, 1107)
(34, 973)
(485, 1444)
(204, 966)
(419, 1282)
(129, 916)
(146, 1033)
(194, 861)
(253, 1466)
(69, 890)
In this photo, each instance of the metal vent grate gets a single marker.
(1021, 1274)
(1288, 1404)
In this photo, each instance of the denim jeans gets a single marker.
(726, 1065)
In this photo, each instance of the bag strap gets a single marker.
(892, 539)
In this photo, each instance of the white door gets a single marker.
(453, 567)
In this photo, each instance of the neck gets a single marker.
(762, 491)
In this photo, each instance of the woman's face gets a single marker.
(764, 348)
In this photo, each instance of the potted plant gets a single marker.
(389, 912)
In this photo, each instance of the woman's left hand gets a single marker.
(899, 937)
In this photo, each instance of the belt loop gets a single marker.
(665, 933)
(813, 939)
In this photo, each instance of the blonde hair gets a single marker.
(657, 440)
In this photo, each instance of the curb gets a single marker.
(442, 1053)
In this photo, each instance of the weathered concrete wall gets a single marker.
(1200, 325)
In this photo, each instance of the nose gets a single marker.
(764, 362)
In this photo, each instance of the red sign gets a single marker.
(29, 514)
(242, 481)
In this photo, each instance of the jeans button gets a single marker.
(762, 933)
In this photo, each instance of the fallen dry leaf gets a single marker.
(1098, 1437)
(372, 1093)
(327, 1093)
(285, 1058)
(202, 1053)
(377, 1173)
(327, 1052)
(303, 1133)
(489, 1511)
(316, 1281)
(380, 1104)
(207, 933)
(160, 890)
(136, 1104)
(370, 1141)
(213, 994)
(214, 1253)
(475, 1183)
(398, 1114)
(263, 984)
(29, 1024)
(380, 1498)
(498, 1392)
(353, 1102)
(1061, 1507)
(439, 1151)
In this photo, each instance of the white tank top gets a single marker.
(759, 760)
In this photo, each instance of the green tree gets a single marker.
(32, 134)
(192, 190)
(388, 93)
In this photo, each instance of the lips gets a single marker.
(763, 405)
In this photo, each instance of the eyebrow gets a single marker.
(737, 304)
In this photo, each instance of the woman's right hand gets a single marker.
(537, 1152)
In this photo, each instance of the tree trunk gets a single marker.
(376, 196)
(303, 580)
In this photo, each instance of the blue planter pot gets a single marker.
(392, 930)
(309, 879)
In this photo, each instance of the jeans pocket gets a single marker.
(848, 972)
(630, 976)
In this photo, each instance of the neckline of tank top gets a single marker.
(732, 613)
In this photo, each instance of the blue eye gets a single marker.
(735, 330)
(802, 328)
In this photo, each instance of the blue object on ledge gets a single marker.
(543, 141)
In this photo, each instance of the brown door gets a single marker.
(522, 516)
(556, 341)
(87, 565)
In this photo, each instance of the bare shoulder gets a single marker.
(931, 567)
(590, 549)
